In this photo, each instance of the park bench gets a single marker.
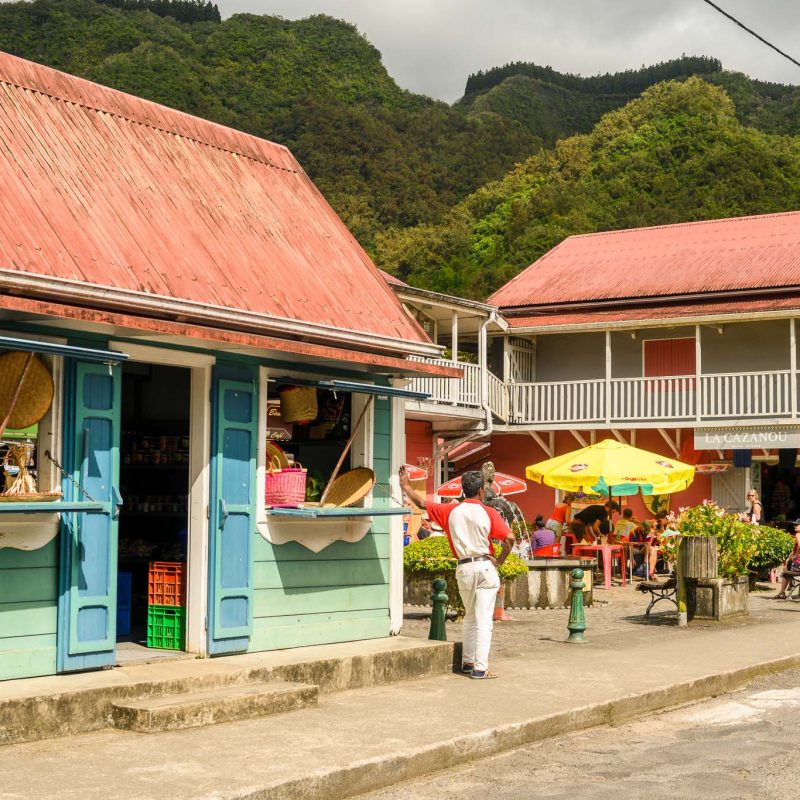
(658, 591)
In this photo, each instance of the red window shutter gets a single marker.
(668, 357)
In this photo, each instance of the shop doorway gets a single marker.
(154, 519)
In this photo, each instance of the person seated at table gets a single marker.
(640, 553)
(663, 528)
(586, 523)
(624, 527)
(542, 536)
(792, 565)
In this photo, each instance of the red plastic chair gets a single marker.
(548, 551)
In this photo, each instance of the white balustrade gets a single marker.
(562, 401)
(746, 394)
(465, 391)
(667, 398)
(670, 398)
(498, 396)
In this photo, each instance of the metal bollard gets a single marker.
(577, 621)
(439, 598)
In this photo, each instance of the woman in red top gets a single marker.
(560, 516)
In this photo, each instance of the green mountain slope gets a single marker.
(382, 155)
(552, 105)
(677, 153)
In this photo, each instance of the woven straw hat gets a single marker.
(35, 395)
(350, 487)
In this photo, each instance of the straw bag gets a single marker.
(284, 487)
(298, 404)
(350, 487)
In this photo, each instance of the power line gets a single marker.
(751, 32)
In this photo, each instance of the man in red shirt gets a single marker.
(470, 526)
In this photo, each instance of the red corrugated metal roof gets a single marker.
(654, 313)
(727, 254)
(102, 187)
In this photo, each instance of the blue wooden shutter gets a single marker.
(87, 603)
(230, 615)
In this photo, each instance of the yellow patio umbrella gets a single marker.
(614, 468)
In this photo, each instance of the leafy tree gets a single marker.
(677, 153)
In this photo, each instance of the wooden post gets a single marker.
(698, 387)
(793, 367)
(455, 383)
(608, 378)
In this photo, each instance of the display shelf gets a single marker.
(50, 507)
(336, 513)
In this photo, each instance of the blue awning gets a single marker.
(53, 349)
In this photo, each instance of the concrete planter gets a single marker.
(545, 586)
(717, 599)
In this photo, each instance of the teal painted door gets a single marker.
(87, 602)
(233, 515)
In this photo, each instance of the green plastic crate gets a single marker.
(166, 627)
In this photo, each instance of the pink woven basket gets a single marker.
(285, 487)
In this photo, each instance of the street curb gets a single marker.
(384, 771)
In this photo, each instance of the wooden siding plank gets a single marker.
(373, 545)
(310, 600)
(46, 556)
(27, 663)
(27, 619)
(27, 585)
(311, 629)
(300, 574)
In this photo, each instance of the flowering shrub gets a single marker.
(432, 558)
(774, 547)
(737, 540)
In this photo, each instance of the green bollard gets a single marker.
(438, 632)
(577, 622)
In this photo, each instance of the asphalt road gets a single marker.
(742, 745)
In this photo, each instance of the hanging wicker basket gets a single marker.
(35, 393)
(298, 404)
(284, 487)
(350, 487)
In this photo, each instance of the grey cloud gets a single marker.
(430, 46)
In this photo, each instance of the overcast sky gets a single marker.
(431, 46)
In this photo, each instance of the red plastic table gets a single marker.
(608, 555)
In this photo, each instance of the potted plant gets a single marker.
(726, 593)
(432, 558)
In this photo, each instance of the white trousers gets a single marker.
(478, 584)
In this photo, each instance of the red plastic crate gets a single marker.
(166, 584)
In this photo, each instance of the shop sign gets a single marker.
(745, 438)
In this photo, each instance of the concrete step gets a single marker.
(65, 705)
(195, 709)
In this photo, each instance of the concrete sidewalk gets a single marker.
(358, 740)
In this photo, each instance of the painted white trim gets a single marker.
(199, 499)
(398, 447)
(199, 366)
(164, 356)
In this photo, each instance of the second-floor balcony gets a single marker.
(680, 398)
(619, 401)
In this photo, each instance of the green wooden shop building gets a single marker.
(174, 277)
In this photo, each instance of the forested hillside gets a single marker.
(677, 153)
(453, 198)
(381, 155)
(552, 105)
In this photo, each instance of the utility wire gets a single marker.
(751, 32)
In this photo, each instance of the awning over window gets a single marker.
(53, 349)
(355, 386)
